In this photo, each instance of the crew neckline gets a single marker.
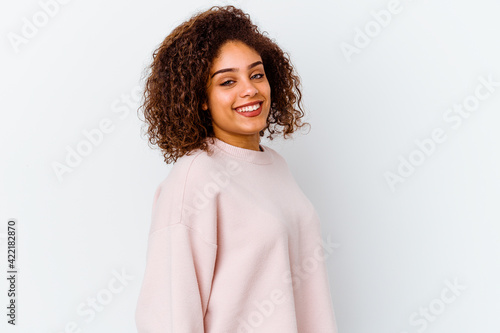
(252, 156)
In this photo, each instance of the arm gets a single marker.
(177, 282)
(178, 277)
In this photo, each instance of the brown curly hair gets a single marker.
(176, 86)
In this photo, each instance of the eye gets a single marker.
(258, 76)
(227, 83)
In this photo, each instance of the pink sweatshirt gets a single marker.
(234, 247)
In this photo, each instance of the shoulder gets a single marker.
(179, 194)
(188, 196)
(280, 164)
(277, 156)
(195, 165)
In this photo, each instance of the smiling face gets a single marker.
(239, 95)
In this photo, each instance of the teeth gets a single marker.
(248, 108)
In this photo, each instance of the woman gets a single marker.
(234, 244)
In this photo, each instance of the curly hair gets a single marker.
(176, 86)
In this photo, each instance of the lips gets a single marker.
(251, 110)
(252, 106)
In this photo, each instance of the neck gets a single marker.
(251, 142)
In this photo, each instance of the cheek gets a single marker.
(269, 91)
(266, 89)
(220, 100)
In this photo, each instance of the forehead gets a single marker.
(235, 54)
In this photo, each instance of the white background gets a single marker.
(398, 246)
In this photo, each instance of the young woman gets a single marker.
(234, 244)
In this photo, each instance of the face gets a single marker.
(239, 95)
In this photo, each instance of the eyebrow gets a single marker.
(235, 69)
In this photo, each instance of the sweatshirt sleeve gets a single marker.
(179, 270)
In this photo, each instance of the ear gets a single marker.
(204, 106)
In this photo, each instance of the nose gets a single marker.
(248, 89)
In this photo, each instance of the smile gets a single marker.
(252, 110)
(249, 108)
